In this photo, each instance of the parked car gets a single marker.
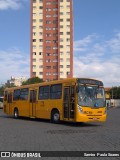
(1, 102)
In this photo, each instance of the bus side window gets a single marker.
(43, 92)
(10, 98)
(5, 97)
(16, 94)
(24, 94)
(56, 91)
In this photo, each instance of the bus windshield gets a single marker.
(92, 96)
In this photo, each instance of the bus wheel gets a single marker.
(16, 113)
(55, 117)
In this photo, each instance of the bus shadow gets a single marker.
(69, 124)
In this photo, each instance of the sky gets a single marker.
(96, 39)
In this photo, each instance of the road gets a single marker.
(26, 134)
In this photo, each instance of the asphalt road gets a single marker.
(26, 134)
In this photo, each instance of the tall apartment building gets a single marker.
(51, 39)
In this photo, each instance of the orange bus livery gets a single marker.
(74, 99)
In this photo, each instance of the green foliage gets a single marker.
(2, 90)
(115, 92)
(32, 81)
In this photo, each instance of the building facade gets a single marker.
(16, 81)
(51, 39)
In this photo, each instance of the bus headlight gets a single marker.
(80, 109)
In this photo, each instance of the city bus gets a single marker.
(74, 100)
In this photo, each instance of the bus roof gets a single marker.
(58, 81)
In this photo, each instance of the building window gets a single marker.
(40, 27)
(61, 73)
(61, 39)
(55, 41)
(48, 28)
(48, 47)
(40, 47)
(40, 60)
(34, 66)
(48, 41)
(40, 53)
(48, 3)
(55, 9)
(48, 60)
(55, 67)
(34, 14)
(48, 35)
(61, 20)
(68, 33)
(68, 39)
(40, 73)
(40, 33)
(48, 15)
(40, 20)
(55, 28)
(48, 73)
(68, 6)
(55, 2)
(40, 40)
(55, 15)
(55, 60)
(68, 20)
(61, 66)
(48, 9)
(68, 73)
(34, 40)
(55, 35)
(68, 13)
(41, 7)
(48, 54)
(67, 46)
(55, 73)
(55, 54)
(34, 27)
(61, 59)
(68, 59)
(61, 26)
(48, 67)
(61, 33)
(40, 66)
(68, 66)
(34, 47)
(55, 47)
(55, 21)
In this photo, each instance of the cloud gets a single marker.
(13, 62)
(11, 4)
(100, 59)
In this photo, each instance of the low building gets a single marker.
(107, 95)
(16, 81)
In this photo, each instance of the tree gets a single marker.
(32, 81)
(2, 90)
(115, 92)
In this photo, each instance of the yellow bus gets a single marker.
(74, 100)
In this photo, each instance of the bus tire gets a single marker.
(16, 113)
(55, 116)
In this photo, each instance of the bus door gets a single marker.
(10, 103)
(69, 103)
(33, 101)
